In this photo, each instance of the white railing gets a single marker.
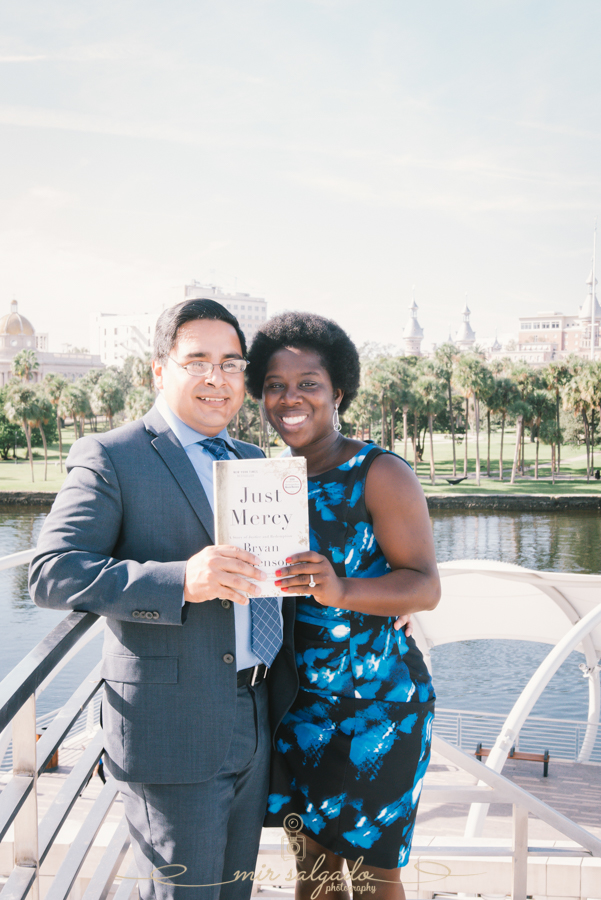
(33, 840)
(563, 738)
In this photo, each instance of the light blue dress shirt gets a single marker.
(203, 466)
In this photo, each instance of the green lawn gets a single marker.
(16, 475)
(571, 480)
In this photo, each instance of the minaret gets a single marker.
(413, 333)
(466, 336)
(590, 312)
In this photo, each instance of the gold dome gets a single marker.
(14, 323)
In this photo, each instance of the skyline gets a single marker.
(327, 155)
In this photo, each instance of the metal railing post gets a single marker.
(520, 853)
(25, 765)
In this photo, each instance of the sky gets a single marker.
(328, 155)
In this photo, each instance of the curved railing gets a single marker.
(33, 840)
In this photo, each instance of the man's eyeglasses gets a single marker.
(228, 366)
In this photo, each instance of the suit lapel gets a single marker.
(174, 456)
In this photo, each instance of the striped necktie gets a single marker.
(266, 627)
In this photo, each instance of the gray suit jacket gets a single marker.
(131, 512)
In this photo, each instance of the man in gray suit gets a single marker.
(130, 536)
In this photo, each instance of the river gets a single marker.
(479, 675)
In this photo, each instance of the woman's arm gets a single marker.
(401, 523)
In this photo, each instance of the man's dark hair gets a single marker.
(306, 331)
(171, 320)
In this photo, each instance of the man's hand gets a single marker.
(222, 572)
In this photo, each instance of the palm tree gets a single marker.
(24, 364)
(555, 376)
(138, 403)
(472, 378)
(527, 381)
(378, 382)
(55, 384)
(430, 392)
(549, 433)
(576, 397)
(68, 405)
(543, 408)
(19, 406)
(81, 405)
(107, 397)
(500, 401)
(522, 411)
(141, 372)
(40, 414)
(360, 412)
(444, 359)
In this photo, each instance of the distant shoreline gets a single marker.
(500, 502)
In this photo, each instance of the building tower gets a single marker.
(466, 336)
(587, 318)
(413, 333)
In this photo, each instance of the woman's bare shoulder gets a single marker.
(391, 477)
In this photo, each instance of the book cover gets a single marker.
(261, 505)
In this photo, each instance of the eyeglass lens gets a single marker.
(230, 366)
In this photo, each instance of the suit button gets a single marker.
(156, 615)
(226, 604)
(148, 615)
(136, 614)
(228, 658)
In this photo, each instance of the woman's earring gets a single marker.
(270, 430)
(336, 420)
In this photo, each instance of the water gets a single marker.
(480, 675)
(490, 675)
(24, 624)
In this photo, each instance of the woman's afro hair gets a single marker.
(310, 332)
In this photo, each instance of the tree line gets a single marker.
(402, 398)
(28, 410)
(408, 398)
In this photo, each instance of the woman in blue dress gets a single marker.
(351, 753)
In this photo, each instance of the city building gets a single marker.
(466, 336)
(413, 333)
(114, 337)
(17, 334)
(551, 335)
(250, 311)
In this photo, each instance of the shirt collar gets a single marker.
(185, 435)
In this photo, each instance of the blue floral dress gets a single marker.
(352, 752)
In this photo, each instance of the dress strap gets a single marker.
(356, 509)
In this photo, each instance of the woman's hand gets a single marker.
(303, 568)
(404, 622)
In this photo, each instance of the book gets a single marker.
(261, 505)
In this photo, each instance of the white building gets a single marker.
(413, 333)
(17, 333)
(551, 335)
(251, 312)
(114, 337)
(466, 336)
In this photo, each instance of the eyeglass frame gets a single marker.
(201, 362)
